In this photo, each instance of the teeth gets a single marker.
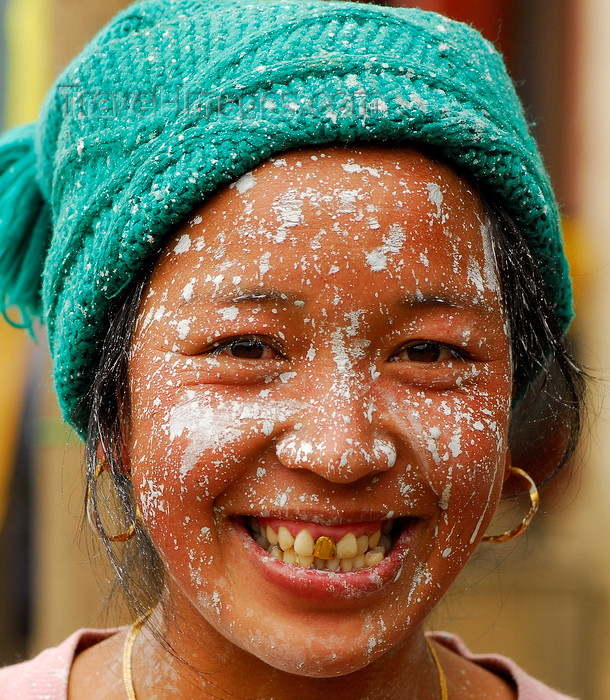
(304, 544)
(272, 535)
(385, 542)
(347, 564)
(291, 557)
(276, 552)
(362, 544)
(373, 539)
(305, 561)
(373, 558)
(347, 546)
(351, 553)
(285, 539)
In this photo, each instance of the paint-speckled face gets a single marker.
(322, 347)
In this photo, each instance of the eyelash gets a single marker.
(244, 340)
(427, 345)
(256, 343)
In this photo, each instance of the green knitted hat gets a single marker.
(176, 97)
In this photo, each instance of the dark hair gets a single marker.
(545, 424)
(138, 568)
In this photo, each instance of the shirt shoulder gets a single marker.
(45, 677)
(528, 688)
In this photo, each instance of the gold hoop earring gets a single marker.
(93, 517)
(533, 509)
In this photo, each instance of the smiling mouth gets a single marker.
(348, 547)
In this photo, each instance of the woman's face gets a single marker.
(323, 344)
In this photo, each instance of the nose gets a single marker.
(341, 438)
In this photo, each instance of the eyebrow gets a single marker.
(457, 300)
(412, 300)
(454, 300)
(259, 296)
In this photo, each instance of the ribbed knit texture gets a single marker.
(114, 170)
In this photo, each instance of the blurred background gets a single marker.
(544, 599)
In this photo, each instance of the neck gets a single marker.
(195, 661)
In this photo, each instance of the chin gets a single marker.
(322, 655)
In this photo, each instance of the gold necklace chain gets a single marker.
(137, 626)
(127, 653)
(442, 679)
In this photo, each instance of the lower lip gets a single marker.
(314, 584)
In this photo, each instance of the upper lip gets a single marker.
(323, 518)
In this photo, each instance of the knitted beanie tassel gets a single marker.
(25, 227)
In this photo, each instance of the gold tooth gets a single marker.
(325, 548)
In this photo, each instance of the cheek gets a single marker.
(194, 444)
(457, 443)
(188, 453)
(472, 452)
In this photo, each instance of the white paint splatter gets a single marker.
(392, 244)
(184, 244)
(244, 183)
(288, 208)
(229, 314)
(435, 196)
(187, 292)
(184, 328)
(385, 447)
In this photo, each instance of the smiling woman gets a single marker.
(362, 375)
(303, 333)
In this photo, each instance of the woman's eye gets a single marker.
(426, 352)
(246, 348)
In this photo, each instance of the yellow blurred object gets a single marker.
(28, 40)
(13, 371)
(580, 255)
(29, 74)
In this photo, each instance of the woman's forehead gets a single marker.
(321, 218)
(351, 178)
